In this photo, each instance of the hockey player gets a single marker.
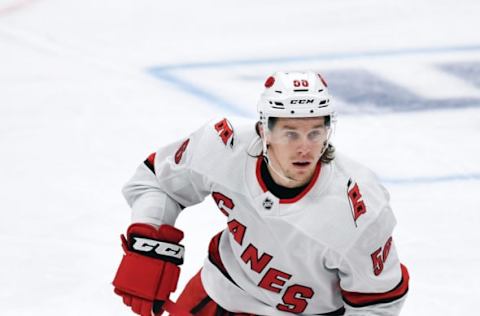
(308, 231)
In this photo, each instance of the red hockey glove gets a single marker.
(149, 269)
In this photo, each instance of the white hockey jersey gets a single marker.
(326, 251)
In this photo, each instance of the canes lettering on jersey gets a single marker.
(251, 255)
(238, 230)
(275, 280)
(224, 203)
(295, 299)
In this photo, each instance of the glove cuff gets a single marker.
(146, 278)
(163, 233)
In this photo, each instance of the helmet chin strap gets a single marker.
(278, 173)
(266, 157)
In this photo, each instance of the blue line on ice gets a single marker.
(198, 92)
(432, 179)
(326, 56)
(165, 72)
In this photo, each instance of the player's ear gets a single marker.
(259, 129)
(261, 132)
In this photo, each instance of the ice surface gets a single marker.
(89, 88)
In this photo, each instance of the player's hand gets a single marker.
(149, 270)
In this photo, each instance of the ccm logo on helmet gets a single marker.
(302, 101)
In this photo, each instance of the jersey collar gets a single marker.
(300, 195)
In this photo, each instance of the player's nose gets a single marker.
(304, 147)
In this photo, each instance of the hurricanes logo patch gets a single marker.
(356, 200)
(225, 131)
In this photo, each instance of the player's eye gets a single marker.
(290, 135)
(315, 135)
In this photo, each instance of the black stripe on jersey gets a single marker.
(366, 299)
(214, 256)
(201, 305)
(223, 312)
(149, 165)
(338, 312)
(224, 272)
(150, 161)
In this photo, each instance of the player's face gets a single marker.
(295, 147)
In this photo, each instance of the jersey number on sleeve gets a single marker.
(379, 257)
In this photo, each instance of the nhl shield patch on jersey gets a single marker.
(267, 204)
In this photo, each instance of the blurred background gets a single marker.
(89, 88)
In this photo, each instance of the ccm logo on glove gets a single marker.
(158, 249)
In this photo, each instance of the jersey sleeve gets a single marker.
(165, 182)
(372, 279)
